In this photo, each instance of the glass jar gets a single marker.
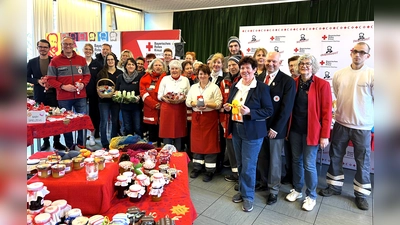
(125, 166)
(121, 219)
(36, 193)
(163, 168)
(53, 211)
(43, 219)
(92, 169)
(68, 165)
(172, 172)
(78, 163)
(80, 220)
(54, 157)
(115, 154)
(44, 170)
(58, 170)
(121, 186)
(135, 193)
(143, 181)
(157, 187)
(96, 220)
(129, 176)
(101, 162)
(63, 207)
(108, 158)
(72, 215)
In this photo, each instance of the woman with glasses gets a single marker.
(310, 127)
(107, 106)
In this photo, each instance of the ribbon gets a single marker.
(106, 221)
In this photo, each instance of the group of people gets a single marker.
(244, 110)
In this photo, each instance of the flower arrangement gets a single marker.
(125, 97)
(136, 166)
(175, 97)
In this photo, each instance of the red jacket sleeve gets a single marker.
(326, 110)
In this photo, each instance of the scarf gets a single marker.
(129, 78)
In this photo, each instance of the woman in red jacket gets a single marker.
(310, 126)
(148, 92)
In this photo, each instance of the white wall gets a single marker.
(158, 21)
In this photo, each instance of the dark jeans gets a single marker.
(79, 106)
(94, 114)
(107, 109)
(132, 121)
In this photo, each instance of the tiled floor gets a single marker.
(215, 207)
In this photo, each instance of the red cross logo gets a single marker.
(272, 38)
(322, 62)
(296, 50)
(248, 49)
(324, 37)
(149, 46)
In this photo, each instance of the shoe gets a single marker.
(327, 192)
(237, 198)
(60, 146)
(247, 206)
(231, 178)
(92, 141)
(208, 177)
(293, 195)
(226, 164)
(195, 173)
(308, 204)
(260, 187)
(272, 198)
(362, 203)
(236, 187)
(45, 146)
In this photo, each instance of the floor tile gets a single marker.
(203, 220)
(202, 199)
(347, 202)
(268, 217)
(329, 215)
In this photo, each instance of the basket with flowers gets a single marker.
(175, 98)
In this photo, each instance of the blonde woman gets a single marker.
(125, 54)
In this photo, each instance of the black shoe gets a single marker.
(226, 164)
(231, 178)
(327, 192)
(45, 146)
(236, 187)
(260, 187)
(362, 203)
(194, 173)
(59, 146)
(208, 177)
(272, 198)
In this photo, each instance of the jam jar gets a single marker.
(101, 162)
(143, 181)
(44, 170)
(129, 176)
(125, 166)
(36, 193)
(173, 173)
(163, 168)
(58, 170)
(96, 220)
(115, 154)
(157, 187)
(63, 206)
(78, 163)
(68, 165)
(43, 219)
(121, 186)
(135, 193)
(80, 220)
(72, 215)
(53, 211)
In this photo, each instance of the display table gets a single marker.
(94, 197)
(42, 130)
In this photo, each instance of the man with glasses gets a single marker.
(36, 70)
(69, 74)
(353, 87)
(283, 91)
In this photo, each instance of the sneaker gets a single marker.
(362, 203)
(247, 206)
(195, 173)
(231, 178)
(308, 204)
(293, 195)
(327, 192)
(237, 198)
(92, 141)
(208, 176)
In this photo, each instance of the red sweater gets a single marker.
(63, 70)
(149, 85)
(319, 110)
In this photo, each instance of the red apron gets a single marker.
(204, 136)
(172, 120)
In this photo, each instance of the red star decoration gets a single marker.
(322, 62)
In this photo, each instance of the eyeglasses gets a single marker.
(305, 64)
(360, 52)
(68, 44)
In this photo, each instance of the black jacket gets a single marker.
(33, 75)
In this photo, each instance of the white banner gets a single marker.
(330, 43)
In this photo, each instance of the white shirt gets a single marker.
(211, 93)
(169, 84)
(271, 77)
(241, 95)
(354, 91)
(214, 76)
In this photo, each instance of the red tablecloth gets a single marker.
(42, 130)
(94, 197)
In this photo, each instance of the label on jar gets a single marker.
(81, 164)
(67, 169)
(39, 173)
(48, 172)
(61, 173)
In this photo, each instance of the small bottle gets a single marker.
(43, 219)
(121, 186)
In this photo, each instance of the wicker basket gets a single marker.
(101, 90)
